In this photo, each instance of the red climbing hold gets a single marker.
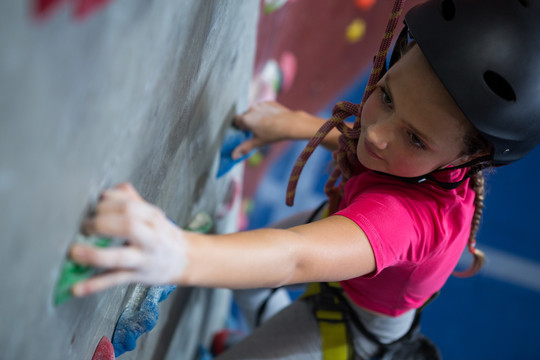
(104, 350)
(43, 7)
(81, 8)
(84, 8)
(365, 4)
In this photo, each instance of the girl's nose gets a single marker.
(378, 135)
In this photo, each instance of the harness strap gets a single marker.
(334, 315)
(336, 340)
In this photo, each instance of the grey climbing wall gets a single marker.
(138, 91)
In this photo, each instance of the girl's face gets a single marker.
(410, 124)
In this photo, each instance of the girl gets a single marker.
(452, 105)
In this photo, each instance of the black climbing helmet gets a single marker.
(487, 55)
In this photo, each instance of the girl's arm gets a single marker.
(158, 252)
(271, 122)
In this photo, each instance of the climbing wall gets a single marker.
(333, 42)
(92, 93)
(312, 53)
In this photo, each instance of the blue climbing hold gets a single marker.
(233, 138)
(140, 316)
(142, 311)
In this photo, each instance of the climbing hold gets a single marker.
(201, 223)
(234, 191)
(356, 30)
(44, 7)
(288, 64)
(365, 4)
(104, 350)
(142, 311)
(256, 159)
(266, 85)
(203, 353)
(273, 5)
(84, 8)
(271, 74)
(233, 138)
(248, 205)
(81, 8)
(72, 273)
(225, 339)
(140, 316)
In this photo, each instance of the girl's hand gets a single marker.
(155, 252)
(268, 121)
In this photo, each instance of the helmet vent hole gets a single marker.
(525, 3)
(499, 86)
(448, 9)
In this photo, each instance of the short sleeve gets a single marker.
(393, 225)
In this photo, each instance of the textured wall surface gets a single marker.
(139, 91)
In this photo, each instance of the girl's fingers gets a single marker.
(245, 147)
(102, 282)
(133, 229)
(122, 191)
(239, 122)
(107, 258)
(129, 190)
(138, 210)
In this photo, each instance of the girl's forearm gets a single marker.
(307, 125)
(259, 258)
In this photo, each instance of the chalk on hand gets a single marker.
(142, 311)
(71, 273)
(104, 350)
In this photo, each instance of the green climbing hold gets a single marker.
(272, 5)
(71, 273)
(201, 223)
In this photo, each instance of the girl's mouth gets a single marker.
(370, 151)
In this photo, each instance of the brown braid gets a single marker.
(478, 185)
(475, 145)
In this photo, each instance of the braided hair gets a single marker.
(474, 144)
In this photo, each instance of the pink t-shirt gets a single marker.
(417, 232)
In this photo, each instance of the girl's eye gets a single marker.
(385, 97)
(416, 141)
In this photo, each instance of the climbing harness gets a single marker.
(335, 317)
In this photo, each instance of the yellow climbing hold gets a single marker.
(356, 30)
(256, 159)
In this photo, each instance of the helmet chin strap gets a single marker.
(482, 162)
